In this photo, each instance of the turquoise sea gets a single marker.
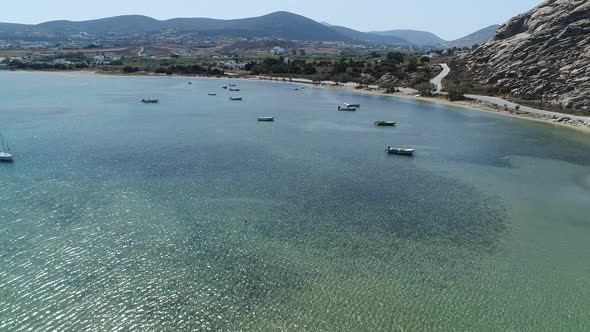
(120, 216)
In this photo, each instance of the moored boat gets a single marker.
(150, 101)
(230, 89)
(266, 118)
(401, 151)
(232, 84)
(5, 155)
(225, 86)
(212, 94)
(385, 123)
(346, 108)
(235, 98)
(353, 105)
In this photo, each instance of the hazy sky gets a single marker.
(449, 19)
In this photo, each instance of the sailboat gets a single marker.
(5, 155)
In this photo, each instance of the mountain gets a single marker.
(369, 37)
(283, 25)
(279, 25)
(421, 38)
(479, 37)
(542, 55)
(130, 24)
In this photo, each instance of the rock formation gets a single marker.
(541, 55)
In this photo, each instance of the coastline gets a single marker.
(406, 93)
(472, 105)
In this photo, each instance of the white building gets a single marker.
(183, 53)
(105, 59)
(234, 65)
(277, 50)
(61, 62)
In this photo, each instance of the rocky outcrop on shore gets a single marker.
(541, 55)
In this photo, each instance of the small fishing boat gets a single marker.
(212, 94)
(230, 89)
(266, 118)
(401, 151)
(232, 84)
(346, 108)
(5, 155)
(353, 105)
(225, 87)
(150, 101)
(385, 123)
(235, 98)
(190, 82)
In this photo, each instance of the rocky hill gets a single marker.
(542, 55)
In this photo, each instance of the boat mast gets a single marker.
(2, 139)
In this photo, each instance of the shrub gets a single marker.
(456, 91)
(129, 69)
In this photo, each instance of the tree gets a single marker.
(309, 69)
(388, 86)
(293, 52)
(456, 91)
(426, 89)
(412, 63)
(340, 67)
(395, 57)
(374, 55)
(129, 69)
(302, 52)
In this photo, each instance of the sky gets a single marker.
(449, 19)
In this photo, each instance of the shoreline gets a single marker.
(469, 104)
(472, 105)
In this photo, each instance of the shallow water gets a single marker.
(123, 216)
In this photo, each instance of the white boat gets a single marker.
(353, 105)
(266, 118)
(347, 108)
(235, 98)
(402, 151)
(5, 155)
(385, 123)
